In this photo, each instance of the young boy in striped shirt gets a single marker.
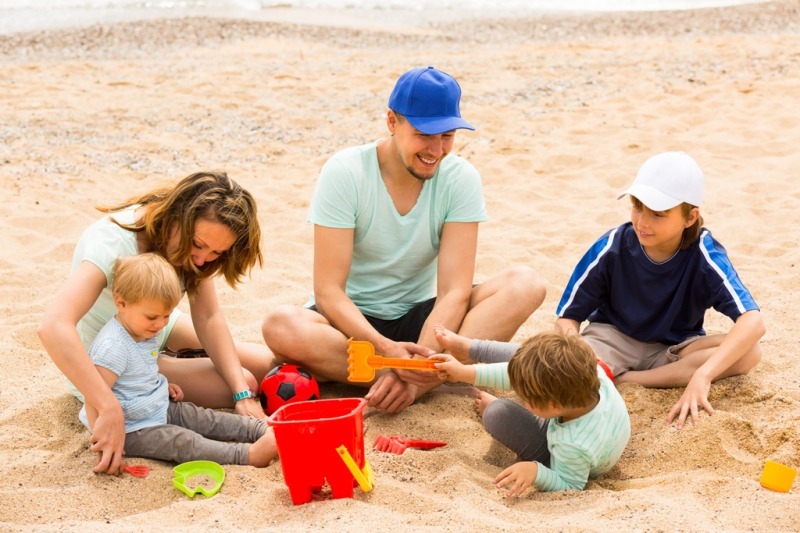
(645, 287)
(125, 353)
(574, 425)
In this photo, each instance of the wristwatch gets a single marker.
(243, 395)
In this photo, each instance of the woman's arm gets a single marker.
(215, 337)
(59, 335)
(110, 378)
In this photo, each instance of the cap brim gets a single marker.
(437, 125)
(651, 198)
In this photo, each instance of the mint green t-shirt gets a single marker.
(394, 257)
(102, 244)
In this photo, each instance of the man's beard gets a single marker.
(420, 176)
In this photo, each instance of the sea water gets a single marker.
(27, 15)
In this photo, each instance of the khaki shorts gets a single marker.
(622, 353)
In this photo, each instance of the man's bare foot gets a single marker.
(454, 343)
(483, 399)
(263, 450)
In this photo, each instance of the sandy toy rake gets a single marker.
(138, 470)
(363, 362)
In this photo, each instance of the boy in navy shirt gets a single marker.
(645, 286)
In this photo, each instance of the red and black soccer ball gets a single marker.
(287, 384)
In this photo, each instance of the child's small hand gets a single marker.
(522, 475)
(175, 393)
(451, 370)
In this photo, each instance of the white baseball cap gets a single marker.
(666, 180)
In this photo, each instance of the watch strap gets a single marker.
(242, 395)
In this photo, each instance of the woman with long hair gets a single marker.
(205, 226)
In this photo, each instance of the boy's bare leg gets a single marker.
(679, 373)
(263, 450)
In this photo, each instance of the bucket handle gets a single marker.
(364, 477)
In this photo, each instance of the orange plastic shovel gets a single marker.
(363, 362)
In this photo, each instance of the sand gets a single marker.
(566, 110)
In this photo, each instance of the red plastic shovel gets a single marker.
(398, 445)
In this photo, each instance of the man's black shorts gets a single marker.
(404, 329)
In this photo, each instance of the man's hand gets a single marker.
(391, 393)
(108, 441)
(695, 396)
(409, 350)
(175, 392)
(519, 475)
(250, 407)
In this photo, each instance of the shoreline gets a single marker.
(23, 20)
(141, 37)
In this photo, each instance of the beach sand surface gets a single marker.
(566, 110)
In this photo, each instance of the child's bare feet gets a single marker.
(263, 450)
(454, 343)
(483, 399)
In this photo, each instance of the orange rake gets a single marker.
(362, 362)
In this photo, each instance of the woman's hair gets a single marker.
(691, 233)
(146, 277)
(552, 368)
(211, 196)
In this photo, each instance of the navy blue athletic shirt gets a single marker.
(616, 283)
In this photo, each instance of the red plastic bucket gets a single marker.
(307, 435)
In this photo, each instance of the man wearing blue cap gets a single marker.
(395, 239)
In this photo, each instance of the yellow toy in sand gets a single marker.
(778, 477)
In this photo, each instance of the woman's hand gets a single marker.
(108, 441)
(250, 407)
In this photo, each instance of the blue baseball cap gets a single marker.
(429, 98)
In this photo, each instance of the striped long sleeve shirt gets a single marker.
(582, 448)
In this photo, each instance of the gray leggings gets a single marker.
(508, 422)
(193, 433)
